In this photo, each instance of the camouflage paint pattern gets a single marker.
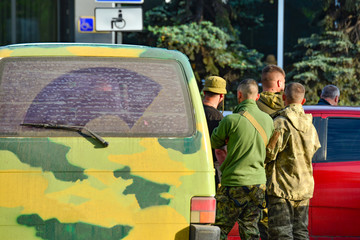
(289, 155)
(65, 188)
(288, 219)
(235, 204)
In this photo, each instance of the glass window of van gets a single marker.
(110, 96)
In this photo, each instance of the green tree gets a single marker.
(342, 15)
(328, 58)
(211, 51)
(208, 33)
(332, 56)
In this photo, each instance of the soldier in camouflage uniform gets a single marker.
(273, 83)
(290, 182)
(242, 192)
(270, 101)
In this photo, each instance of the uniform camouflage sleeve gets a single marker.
(277, 142)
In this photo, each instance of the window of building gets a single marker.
(28, 21)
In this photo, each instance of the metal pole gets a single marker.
(119, 36)
(116, 35)
(13, 21)
(58, 20)
(280, 34)
(113, 34)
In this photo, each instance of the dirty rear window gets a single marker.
(110, 96)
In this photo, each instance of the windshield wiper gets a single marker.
(78, 129)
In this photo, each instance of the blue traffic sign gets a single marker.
(121, 1)
(86, 24)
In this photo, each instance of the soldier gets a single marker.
(242, 191)
(329, 95)
(270, 101)
(273, 83)
(290, 182)
(214, 94)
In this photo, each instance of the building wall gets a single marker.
(28, 21)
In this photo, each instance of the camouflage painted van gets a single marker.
(102, 142)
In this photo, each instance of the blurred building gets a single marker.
(23, 21)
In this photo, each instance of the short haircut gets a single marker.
(265, 77)
(248, 87)
(210, 94)
(330, 91)
(294, 92)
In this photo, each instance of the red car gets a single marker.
(335, 208)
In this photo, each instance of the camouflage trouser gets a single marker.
(239, 204)
(288, 219)
(263, 225)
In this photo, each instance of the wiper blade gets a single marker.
(68, 127)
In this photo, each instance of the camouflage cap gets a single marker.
(215, 84)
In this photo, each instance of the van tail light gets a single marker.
(203, 210)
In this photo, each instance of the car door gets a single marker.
(335, 207)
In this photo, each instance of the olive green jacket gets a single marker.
(246, 151)
(289, 154)
(271, 102)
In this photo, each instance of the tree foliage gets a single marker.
(211, 51)
(208, 33)
(328, 58)
(332, 56)
(204, 31)
(342, 15)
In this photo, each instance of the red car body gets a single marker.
(334, 211)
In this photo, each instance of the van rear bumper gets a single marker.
(204, 232)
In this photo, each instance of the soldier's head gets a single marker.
(247, 89)
(294, 93)
(273, 78)
(214, 90)
(331, 94)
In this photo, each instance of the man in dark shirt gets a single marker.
(329, 95)
(214, 94)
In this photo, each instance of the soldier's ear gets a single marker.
(303, 101)
(257, 97)
(239, 95)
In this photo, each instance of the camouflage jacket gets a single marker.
(270, 102)
(288, 155)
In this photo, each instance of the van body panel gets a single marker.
(60, 184)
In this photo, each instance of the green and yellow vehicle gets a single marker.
(102, 141)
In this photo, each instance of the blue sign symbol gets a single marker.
(86, 24)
